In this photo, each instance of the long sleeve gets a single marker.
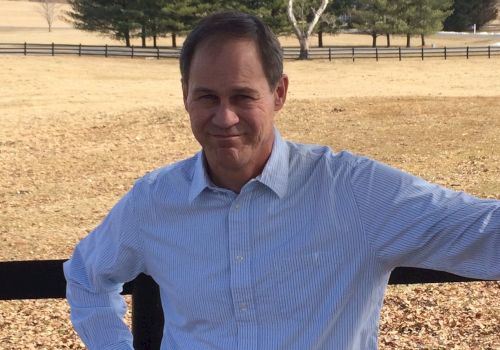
(95, 274)
(413, 223)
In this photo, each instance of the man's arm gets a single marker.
(95, 274)
(411, 222)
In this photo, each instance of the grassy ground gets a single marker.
(76, 132)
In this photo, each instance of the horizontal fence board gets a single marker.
(42, 279)
(330, 53)
(38, 279)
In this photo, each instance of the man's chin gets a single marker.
(228, 142)
(225, 157)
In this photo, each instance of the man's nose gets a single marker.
(225, 116)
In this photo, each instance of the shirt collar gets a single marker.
(200, 179)
(274, 175)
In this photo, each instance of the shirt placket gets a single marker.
(241, 273)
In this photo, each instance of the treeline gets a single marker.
(467, 13)
(126, 19)
(408, 17)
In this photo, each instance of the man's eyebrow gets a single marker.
(202, 90)
(236, 90)
(245, 91)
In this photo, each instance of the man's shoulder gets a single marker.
(176, 174)
(323, 153)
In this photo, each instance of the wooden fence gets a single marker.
(44, 279)
(330, 53)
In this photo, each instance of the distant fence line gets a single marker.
(330, 53)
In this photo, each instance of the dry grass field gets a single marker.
(76, 132)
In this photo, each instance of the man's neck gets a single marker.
(233, 180)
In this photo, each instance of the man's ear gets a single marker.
(280, 92)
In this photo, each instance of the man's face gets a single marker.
(231, 105)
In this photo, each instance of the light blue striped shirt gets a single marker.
(299, 259)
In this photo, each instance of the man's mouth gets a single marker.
(226, 136)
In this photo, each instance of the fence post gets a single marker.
(80, 49)
(25, 48)
(147, 314)
(445, 53)
(353, 54)
(329, 54)
(376, 54)
(52, 49)
(467, 52)
(399, 50)
(106, 50)
(132, 55)
(422, 53)
(489, 51)
(157, 52)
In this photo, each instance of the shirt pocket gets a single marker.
(300, 284)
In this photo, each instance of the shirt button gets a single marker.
(236, 206)
(239, 258)
(243, 307)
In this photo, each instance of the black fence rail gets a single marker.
(329, 53)
(44, 279)
(27, 49)
(354, 53)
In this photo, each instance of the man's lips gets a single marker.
(225, 137)
(223, 140)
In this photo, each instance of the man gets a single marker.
(259, 243)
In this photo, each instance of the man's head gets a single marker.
(236, 25)
(233, 86)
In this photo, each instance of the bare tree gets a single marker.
(49, 10)
(308, 17)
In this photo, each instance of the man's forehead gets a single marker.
(214, 45)
(222, 39)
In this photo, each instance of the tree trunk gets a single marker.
(143, 35)
(126, 35)
(303, 36)
(304, 48)
(423, 39)
(408, 38)
(154, 40)
(174, 40)
(374, 39)
(388, 36)
(320, 38)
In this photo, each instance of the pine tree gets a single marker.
(466, 13)
(329, 22)
(150, 18)
(272, 12)
(377, 17)
(180, 16)
(424, 17)
(117, 18)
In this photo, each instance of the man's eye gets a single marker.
(244, 97)
(207, 97)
